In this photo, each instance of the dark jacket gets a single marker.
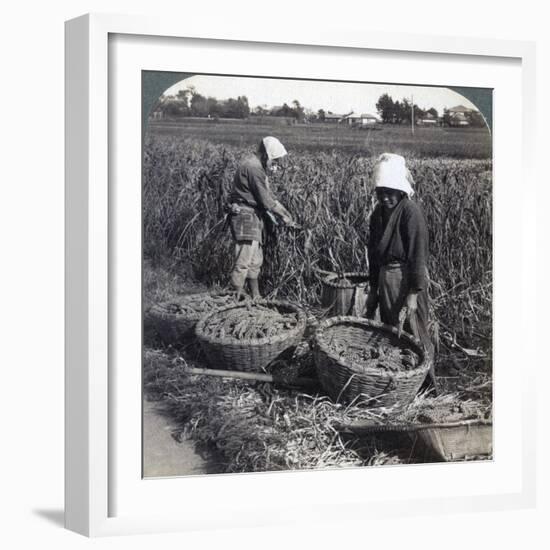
(250, 185)
(251, 192)
(400, 236)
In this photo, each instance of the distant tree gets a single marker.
(231, 108)
(321, 115)
(400, 112)
(189, 102)
(199, 105)
(397, 112)
(173, 108)
(475, 119)
(418, 113)
(296, 111)
(386, 108)
(285, 111)
(185, 97)
(405, 111)
(244, 107)
(310, 115)
(236, 108)
(213, 107)
(261, 110)
(446, 117)
(299, 113)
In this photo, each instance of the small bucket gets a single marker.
(345, 294)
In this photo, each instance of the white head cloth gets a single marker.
(274, 148)
(391, 171)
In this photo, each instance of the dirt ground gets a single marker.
(163, 455)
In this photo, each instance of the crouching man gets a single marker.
(249, 202)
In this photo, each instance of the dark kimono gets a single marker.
(398, 253)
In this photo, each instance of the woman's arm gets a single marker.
(375, 226)
(415, 232)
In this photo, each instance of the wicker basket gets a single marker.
(345, 382)
(249, 355)
(454, 441)
(172, 328)
(345, 298)
(442, 441)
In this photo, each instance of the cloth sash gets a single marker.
(247, 224)
(390, 229)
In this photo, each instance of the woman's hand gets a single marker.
(408, 312)
(412, 302)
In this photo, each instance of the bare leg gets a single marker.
(243, 251)
(254, 289)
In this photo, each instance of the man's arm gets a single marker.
(265, 198)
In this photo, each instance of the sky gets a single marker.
(337, 97)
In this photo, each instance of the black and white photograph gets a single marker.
(288, 263)
(317, 274)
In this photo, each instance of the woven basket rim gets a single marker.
(455, 424)
(322, 344)
(276, 338)
(418, 426)
(327, 279)
(162, 305)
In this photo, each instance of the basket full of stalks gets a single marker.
(359, 360)
(173, 322)
(248, 336)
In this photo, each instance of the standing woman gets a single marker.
(398, 251)
(249, 202)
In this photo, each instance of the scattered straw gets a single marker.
(259, 427)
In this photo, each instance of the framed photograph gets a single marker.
(288, 263)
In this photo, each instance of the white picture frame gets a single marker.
(92, 210)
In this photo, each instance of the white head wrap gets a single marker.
(391, 171)
(274, 148)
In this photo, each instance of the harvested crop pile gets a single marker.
(377, 356)
(250, 322)
(197, 304)
(171, 322)
(442, 409)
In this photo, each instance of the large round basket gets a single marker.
(346, 382)
(345, 294)
(249, 355)
(167, 322)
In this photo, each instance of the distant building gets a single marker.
(333, 117)
(368, 119)
(457, 116)
(427, 120)
(363, 119)
(351, 118)
(459, 109)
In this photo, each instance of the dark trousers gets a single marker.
(393, 289)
